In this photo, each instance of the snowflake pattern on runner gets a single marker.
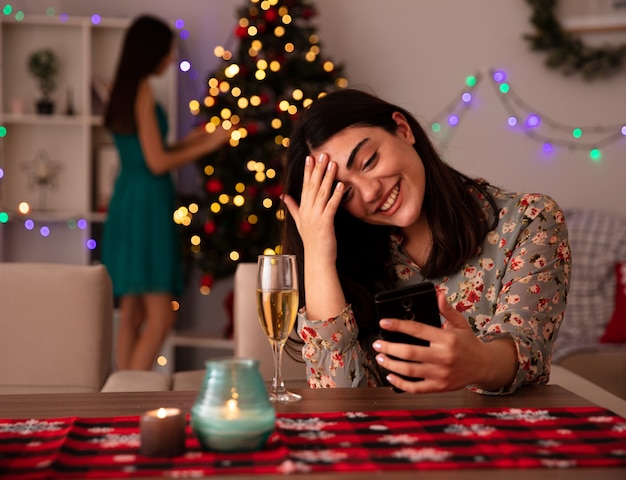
(28, 427)
(311, 424)
(289, 466)
(356, 415)
(519, 414)
(317, 435)
(422, 454)
(404, 439)
(114, 440)
(476, 429)
(320, 456)
(557, 463)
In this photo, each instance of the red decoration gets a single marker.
(616, 329)
(207, 280)
(209, 228)
(214, 186)
(275, 191)
(252, 128)
(245, 227)
(241, 32)
(271, 15)
(308, 13)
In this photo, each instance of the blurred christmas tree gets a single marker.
(277, 70)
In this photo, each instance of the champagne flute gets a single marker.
(277, 301)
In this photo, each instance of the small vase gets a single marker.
(45, 106)
(232, 412)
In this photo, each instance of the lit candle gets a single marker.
(230, 428)
(232, 412)
(162, 433)
(231, 409)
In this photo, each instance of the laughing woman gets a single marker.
(372, 206)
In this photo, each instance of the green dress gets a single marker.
(140, 242)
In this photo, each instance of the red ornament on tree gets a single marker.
(275, 191)
(252, 190)
(207, 280)
(271, 15)
(252, 128)
(214, 186)
(245, 227)
(241, 32)
(209, 228)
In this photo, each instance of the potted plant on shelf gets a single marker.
(44, 66)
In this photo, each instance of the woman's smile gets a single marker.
(391, 199)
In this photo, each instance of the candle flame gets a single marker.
(161, 413)
(232, 409)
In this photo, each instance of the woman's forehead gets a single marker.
(348, 138)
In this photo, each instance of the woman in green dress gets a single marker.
(140, 245)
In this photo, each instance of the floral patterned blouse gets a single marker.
(515, 287)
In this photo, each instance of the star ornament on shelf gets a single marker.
(42, 171)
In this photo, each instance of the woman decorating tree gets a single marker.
(140, 245)
(372, 206)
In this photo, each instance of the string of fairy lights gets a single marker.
(550, 134)
(539, 127)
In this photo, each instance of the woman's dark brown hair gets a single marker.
(363, 251)
(147, 42)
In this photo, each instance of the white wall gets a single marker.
(417, 53)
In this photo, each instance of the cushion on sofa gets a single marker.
(616, 329)
(597, 242)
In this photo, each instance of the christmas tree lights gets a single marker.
(277, 69)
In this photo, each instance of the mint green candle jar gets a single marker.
(232, 412)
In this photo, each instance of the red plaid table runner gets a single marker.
(326, 442)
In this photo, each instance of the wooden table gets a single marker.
(324, 400)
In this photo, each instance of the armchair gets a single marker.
(56, 324)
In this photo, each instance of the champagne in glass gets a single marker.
(277, 301)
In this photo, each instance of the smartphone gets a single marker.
(412, 303)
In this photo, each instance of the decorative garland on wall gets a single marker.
(567, 52)
(524, 118)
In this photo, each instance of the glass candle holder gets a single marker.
(232, 411)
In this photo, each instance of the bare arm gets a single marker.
(159, 159)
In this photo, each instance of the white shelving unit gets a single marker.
(88, 55)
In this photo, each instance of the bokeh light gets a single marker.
(533, 120)
(499, 76)
(595, 155)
